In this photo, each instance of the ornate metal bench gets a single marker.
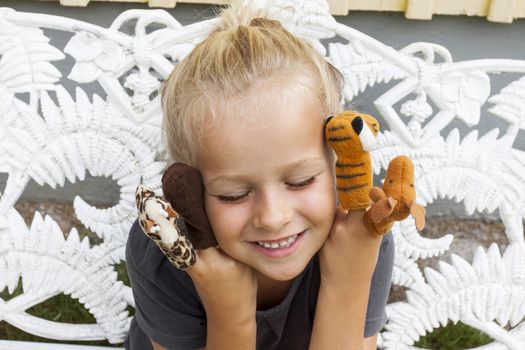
(48, 134)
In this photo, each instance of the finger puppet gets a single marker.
(182, 187)
(352, 135)
(165, 227)
(396, 200)
(177, 223)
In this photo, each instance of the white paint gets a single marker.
(118, 137)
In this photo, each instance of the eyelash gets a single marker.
(232, 198)
(242, 196)
(303, 183)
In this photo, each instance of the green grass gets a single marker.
(453, 337)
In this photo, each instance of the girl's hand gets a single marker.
(349, 254)
(228, 291)
(347, 260)
(227, 288)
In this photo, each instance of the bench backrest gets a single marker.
(49, 134)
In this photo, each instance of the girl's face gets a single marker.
(269, 188)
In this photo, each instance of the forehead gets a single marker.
(261, 136)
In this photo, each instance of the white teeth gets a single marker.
(281, 244)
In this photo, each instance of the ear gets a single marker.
(376, 193)
(418, 213)
(382, 209)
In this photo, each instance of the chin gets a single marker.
(287, 274)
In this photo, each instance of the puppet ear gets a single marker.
(376, 193)
(418, 213)
(182, 187)
(382, 209)
(171, 212)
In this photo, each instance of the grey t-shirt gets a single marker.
(168, 309)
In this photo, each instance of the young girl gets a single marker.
(293, 270)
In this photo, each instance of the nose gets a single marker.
(273, 211)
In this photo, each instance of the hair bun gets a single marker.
(240, 13)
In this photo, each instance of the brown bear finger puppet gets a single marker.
(177, 223)
(352, 135)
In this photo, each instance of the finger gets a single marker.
(341, 212)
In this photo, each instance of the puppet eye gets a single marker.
(357, 125)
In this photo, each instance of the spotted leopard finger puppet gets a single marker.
(165, 227)
(352, 135)
(177, 223)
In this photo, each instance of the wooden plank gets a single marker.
(419, 9)
(151, 3)
(79, 3)
(496, 10)
(162, 3)
(338, 7)
(501, 11)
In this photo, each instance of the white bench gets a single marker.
(48, 134)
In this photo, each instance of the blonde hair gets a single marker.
(244, 49)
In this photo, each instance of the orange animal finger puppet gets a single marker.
(396, 200)
(352, 135)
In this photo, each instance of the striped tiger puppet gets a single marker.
(352, 135)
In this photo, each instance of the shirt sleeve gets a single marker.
(380, 287)
(167, 307)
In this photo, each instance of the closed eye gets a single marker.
(235, 198)
(302, 183)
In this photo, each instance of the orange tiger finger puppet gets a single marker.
(352, 135)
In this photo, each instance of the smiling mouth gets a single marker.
(283, 243)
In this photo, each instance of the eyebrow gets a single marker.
(306, 162)
(301, 163)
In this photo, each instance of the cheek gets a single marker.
(226, 220)
(320, 204)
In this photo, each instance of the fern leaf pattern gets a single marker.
(469, 170)
(26, 59)
(73, 138)
(509, 104)
(49, 264)
(59, 135)
(411, 245)
(487, 294)
(361, 68)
